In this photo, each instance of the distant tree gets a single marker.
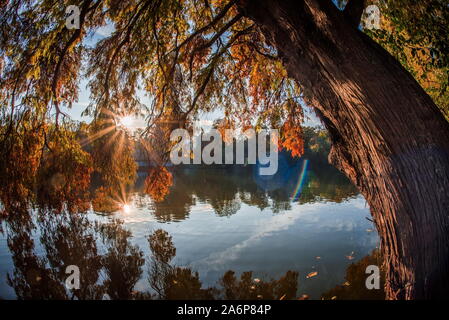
(316, 141)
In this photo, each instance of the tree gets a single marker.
(258, 60)
(388, 136)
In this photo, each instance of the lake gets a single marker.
(300, 229)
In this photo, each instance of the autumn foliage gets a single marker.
(158, 183)
(292, 139)
(19, 157)
(103, 202)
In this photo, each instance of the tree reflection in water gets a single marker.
(354, 287)
(72, 239)
(227, 188)
(110, 265)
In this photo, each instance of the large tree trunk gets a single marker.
(387, 135)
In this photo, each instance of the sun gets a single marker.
(127, 122)
(126, 208)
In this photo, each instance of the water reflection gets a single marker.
(108, 262)
(110, 265)
(354, 287)
(240, 234)
(225, 189)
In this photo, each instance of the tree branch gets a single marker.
(259, 51)
(209, 25)
(213, 39)
(212, 67)
(75, 36)
(125, 40)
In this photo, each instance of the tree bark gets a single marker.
(387, 135)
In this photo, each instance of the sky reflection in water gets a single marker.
(223, 219)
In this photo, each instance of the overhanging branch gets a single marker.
(214, 21)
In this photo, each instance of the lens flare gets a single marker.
(300, 183)
(127, 122)
(126, 208)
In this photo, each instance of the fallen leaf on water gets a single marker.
(312, 274)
